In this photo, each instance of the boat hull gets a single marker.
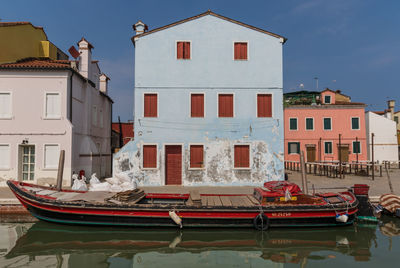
(157, 215)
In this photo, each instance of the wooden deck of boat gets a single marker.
(236, 201)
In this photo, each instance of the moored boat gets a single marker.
(277, 204)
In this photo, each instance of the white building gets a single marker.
(385, 137)
(51, 105)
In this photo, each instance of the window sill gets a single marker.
(194, 168)
(51, 118)
(242, 168)
(240, 59)
(50, 169)
(156, 168)
(5, 169)
(6, 118)
(293, 154)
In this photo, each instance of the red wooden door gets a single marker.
(173, 164)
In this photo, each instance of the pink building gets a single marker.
(314, 121)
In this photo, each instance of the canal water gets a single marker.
(49, 245)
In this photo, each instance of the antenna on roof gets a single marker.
(316, 81)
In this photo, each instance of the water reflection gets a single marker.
(73, 246)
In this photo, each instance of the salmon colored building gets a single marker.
(314, 127)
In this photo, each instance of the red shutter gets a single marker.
(240, 51)
(179, 50)
(149, 156)
(225, 105)
(197, 105)
(186, 54)
(264, 105)
(242, 156)
(150, 105)
(196, 156)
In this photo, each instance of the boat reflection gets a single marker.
(390, 226)
(277, 245)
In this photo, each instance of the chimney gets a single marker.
(391, 108)
(140, 27)
(104, 83)
(85, 58)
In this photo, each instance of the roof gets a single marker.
(16, 23)
(127, 131)
(83, 39)
(208, 12)
(336, 92)
(37, 63)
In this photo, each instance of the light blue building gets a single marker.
(208, 104)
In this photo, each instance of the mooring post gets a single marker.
(373, 161)
(303, 173)
(389, 181)
(60, 170)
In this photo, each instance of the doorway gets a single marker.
(311, 153)
(173, 164)
(26, 162)
(344, 152)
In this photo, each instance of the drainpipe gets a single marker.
(70, 96)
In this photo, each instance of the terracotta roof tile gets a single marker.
(36, 63)
(127, 131)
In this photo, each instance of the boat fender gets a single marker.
(342, 218)
(175, 218)
(261, 222)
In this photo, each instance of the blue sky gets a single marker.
(352, 45)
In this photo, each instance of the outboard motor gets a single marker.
(365, 208)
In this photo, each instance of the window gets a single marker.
(240, 51)
(264, 105)
(4, 156)
(53, 103)
(94, 115)
(149, 156)
(328, 147)
(51, 156)
(293, 147)
(293, 124)
(196, 156)
(5, 105)
(150, 105)
(356, 147)
(327, 124)
(327, 99)
(225, 105)
(309, 123)
(183, 50)
(197, 105)
(101, 118)
(242, 156)
(355, 123)
(396, 118)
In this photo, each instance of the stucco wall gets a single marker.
(385, 140)
(341, 124)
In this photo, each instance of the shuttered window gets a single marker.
(225, 105)
(264, 105)
(183, 50)
(5, 105)
(197, 105)
(4, 156)
(293, 123)
(293, 147)
(53, 103)
(51, 156)
(327, 124)
(150, 105)
(328, 147)
(355, 123)
(149, 156)
(356, 147)
(327, 99)
(309, 123)
(196, 156)
(240, 52)
(242, 156)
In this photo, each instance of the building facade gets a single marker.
(208, 104)
(51, 105)
(315, 128)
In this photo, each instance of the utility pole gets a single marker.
(316, 81)
(340, 156)
(372, 153)
(303, 173)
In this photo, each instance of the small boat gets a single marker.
(276, 204)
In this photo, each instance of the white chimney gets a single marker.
(85, 58)
(140, 27)
(104, 83)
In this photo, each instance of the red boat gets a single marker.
(277, 204)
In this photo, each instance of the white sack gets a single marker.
(79, 185)
(102, 186)
(94, 179)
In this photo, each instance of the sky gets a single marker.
(351, 45)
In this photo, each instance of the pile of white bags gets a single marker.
(79, 184)
(120, 183)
